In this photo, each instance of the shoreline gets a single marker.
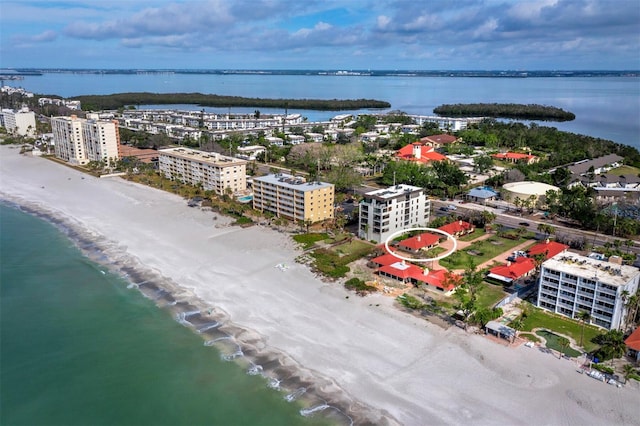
(410, 371)
(245, 347)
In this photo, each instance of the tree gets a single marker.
(563, 342)
(628, 371)
(583, 317)
(612, 345)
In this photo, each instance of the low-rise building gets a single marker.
(419, 152)
(458, 228)
(384, 212)
(293, 197)
(570, 283)
(516, 157)
(215, 172)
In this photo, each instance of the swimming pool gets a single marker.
(246, 199)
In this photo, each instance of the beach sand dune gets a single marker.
(364, 355)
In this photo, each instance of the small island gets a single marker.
(119, 100)
(517, 111)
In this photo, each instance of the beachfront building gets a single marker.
(21, 122)
(292, 197)
(386, 211)
(80, 141)
(215, 172)
(570, 283)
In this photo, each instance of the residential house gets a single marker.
(513, 271)
(633, 344)
(516, 157)
(408, 273)
(439, 141)
(418, 243)
(419, 152)
(458, 228)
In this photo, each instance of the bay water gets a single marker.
(78, 347)
(605, 107)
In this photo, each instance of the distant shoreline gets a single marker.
(337, 72)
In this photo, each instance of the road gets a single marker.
(516, 221)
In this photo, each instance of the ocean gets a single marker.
(80, 346)
(605, 107)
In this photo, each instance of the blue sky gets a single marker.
(322, 34)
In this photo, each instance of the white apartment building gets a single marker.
(293, 198)
(385, 211)
(570, 283)
(22, 122)
(79, 141)
(213, 171)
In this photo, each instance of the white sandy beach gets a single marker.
(400, 366)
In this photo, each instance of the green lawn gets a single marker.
(353, 247)
(552, 343)
(308, 240)
(538, 318)
(625, 170)
(478, 232)
(489, 295)
(484, 250)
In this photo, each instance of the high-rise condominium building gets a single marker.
(570, 283)
(293, 198)
(386, 211)
(213, 171)
(80, 141)
(21, 122)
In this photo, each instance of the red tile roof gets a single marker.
(440, 278)
(513, 156)
(401, 270)
(437, 278)
(427, 154)
(457, 227)
(633, 341)
(417, 242)
(550, 248)
(515, 270)
(385, 259)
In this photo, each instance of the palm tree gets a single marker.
(583, 316)
(628, 371)
(612, 344)
(563, 342)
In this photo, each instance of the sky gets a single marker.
(321, 34)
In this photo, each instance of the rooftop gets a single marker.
(586, 267)
(202, 156)
(393, 191)
(293, 182)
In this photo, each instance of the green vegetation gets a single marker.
(489, 295)
(555, 342)
(119, 100)
(480, 252)
(603, 368)
(518, 111)
(411, 302)
(478, 232)
(308, 240)
(441, 178)
(360, 287)
(537, 318)
(611, 343)
(625, 170)
(333, 262)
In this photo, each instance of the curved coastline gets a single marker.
(317, 395)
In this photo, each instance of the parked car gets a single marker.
(451, 207)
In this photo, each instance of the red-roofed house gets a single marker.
(633, 343)
(458, 228)
(512, 271)
(384, 260)
(549, 248)
(441, 280)
(418, 152)
(516, 157)
(424, 241)
(438, 141)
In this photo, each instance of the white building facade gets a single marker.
(215, 172)
(80, 141)
(570, 283)
(386, 211)
(22, 122)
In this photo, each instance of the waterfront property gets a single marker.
(570, 283)
(293, 198)
(213, 171)
(21, 122)
(80, 141)
(384, 212)
(420, 242)
(408, 273)
(633, 344)
(513, 270)
(516, 157)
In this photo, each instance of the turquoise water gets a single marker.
(79, 348)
